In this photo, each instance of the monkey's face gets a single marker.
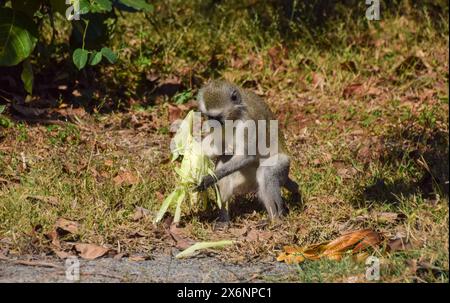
(218, 100)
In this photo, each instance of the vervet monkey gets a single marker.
(240, 173)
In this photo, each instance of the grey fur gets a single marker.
(241, 174)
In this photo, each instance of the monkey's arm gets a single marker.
(234, 164)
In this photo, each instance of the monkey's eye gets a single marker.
(234, 96)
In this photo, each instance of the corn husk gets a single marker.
(190, 251)
(193, 167)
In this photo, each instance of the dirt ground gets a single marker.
(161, 268)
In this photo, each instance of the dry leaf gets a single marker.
(318, 81)
(238, 232)
(109, 163)
(61, 254)
(353, 242)
(125, 178)
(352, 90)
(182, 241)
(398, 244)
(258, 235)
(323, 159)
(140, 213)
(54, 237)
(137, 258)
(276, 54)
(371, 240)
(66, 226)
(90, 251)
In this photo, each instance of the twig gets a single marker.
(31, 263)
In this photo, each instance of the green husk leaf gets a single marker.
(174, 197)
(188, 252)
(193, 167)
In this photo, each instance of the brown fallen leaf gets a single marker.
(125, 178)
(177, 111)
(371, 240)
(318, 81)
(109, 163)
(61, 254)
(398, 244)
(137, 258)
(353, 242)
(276, 55)
(258, 235)
(54, 238)
(252, 235)
(347, 173)
(140, 213)
(182, 241)
(323, 159)
(373, 91)
(352, 90)
(238, 232)
(90, 251)
(66, 226)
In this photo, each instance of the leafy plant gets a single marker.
(19, 31)
(183, 97)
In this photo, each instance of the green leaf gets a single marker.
(95, 58)
(202, 245)
(2, 108)
(183, 97)
(109, 54)
(18, 37)
(85, 6)
(138, 4)
(99, 6)
(80, 57)
(27, 76)
(176, 196)
(5, 122)
(28, 7)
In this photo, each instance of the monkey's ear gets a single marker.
(235, 97)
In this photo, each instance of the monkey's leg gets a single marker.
(225, 195)
(269, 192)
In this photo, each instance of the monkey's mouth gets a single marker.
(218, 118)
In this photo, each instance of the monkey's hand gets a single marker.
(206, 182)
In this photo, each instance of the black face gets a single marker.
(218, 118)
(235, 97)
